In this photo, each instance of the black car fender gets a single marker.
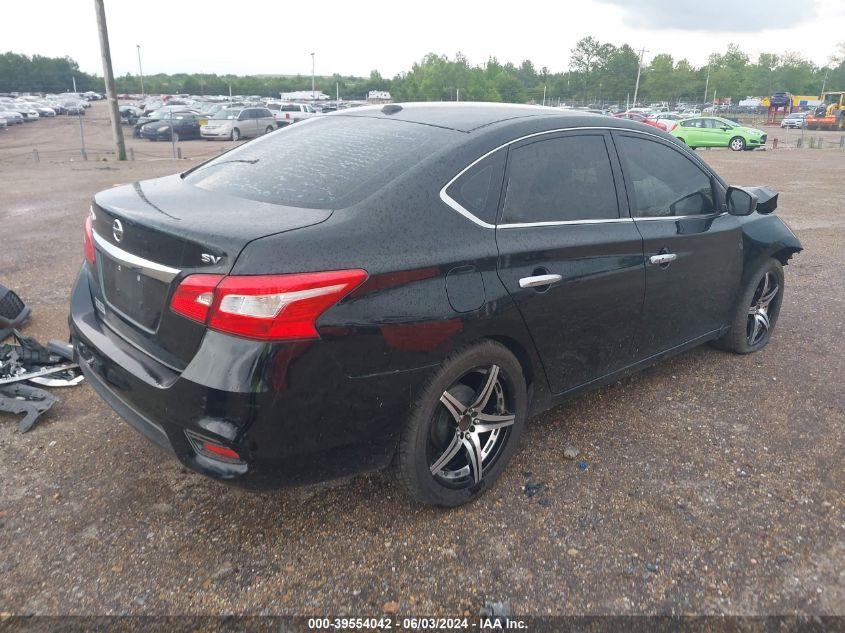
(763, 237)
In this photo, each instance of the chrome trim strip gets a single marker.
(527, 225)
(144, 266)
(709, 216)
(445, 197)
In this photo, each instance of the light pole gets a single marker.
(140, 70)
(639, 68)
(312, 76)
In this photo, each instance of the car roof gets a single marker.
(461, 116)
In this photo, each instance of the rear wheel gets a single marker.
(269, 129)
(464, 428)
(737, 144)
(757, 311)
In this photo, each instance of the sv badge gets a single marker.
(210, 259)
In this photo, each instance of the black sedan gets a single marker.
(404, 286)
(179, 126)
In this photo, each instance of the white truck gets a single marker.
(287, 113)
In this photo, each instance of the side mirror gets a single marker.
(740, 202)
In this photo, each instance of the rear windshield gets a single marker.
(324, 163)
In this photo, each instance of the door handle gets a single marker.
(663, 258)
(539, 280)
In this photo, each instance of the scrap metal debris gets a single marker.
(26, 360)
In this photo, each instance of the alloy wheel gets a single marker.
(737, 144)
(759, 322)
(471, 427)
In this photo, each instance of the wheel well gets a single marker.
(784, 254)
(522, 356)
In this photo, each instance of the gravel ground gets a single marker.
(714, 482)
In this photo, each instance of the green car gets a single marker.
(711, 131)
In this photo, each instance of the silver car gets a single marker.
(795, 119)
(237, 123)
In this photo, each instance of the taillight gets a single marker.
(89, 240)
(267, 307)
(194, 296)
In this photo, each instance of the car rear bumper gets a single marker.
(289, 411)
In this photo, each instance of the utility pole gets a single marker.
(312, 77)
(707, 83)
(824, 84)
(140, 70)
(639, 69)
(108, 75)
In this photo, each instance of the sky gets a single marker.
(353, 37)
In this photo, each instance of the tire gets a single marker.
(236, 134)
(269, 129)
(840, 123)
(442, 443)
(737, 143)
(757, 311)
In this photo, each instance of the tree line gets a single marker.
(597, 73)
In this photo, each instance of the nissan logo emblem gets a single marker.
(117, 230)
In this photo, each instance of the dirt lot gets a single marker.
(715, 483)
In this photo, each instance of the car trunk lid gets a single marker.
(150, 235)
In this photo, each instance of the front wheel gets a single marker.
(464, 427)
(737, 144)
(269, 129)
(236, 134)
(757, 311)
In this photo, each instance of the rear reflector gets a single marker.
(89, 240)
(265, 307)
(220, 450)
(210, 448)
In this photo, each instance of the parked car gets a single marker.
(130, 114)
(718, 132)
(210, 109)
(640, 117)
(237, 123)
(780, 99)
(3, 124)
(10, 116)
(668, 120)
(794, 120)
(74, 107)
(352, 293)
(287, 113)
(43, 110)
(158, 115)
(178, 126)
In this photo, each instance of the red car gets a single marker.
(639, 116)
